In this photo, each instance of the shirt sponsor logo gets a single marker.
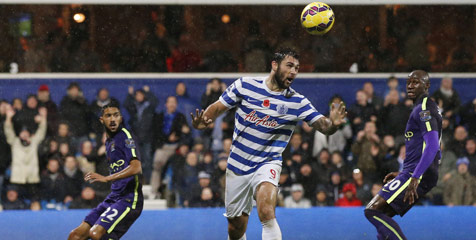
(425, 115)
(408, 135)
(253, 118)
(118, 163)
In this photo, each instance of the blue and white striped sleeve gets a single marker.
(308, 113)
(231, 97)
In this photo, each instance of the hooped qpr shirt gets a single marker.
(264, 122)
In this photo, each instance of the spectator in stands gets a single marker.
(170, 128)
(188, 177)
(394, 115)
(369, 150)
(323, 167)
(102, 99)
(321, 199)
(447, 131)
(334, 187)
(349, 199)
(5, 152)
(13, 202)
(468, 117)
(64, 150)
(458, 143)
(363, 186)
(87, 200)
(25, 118)
(153, 49)
(392, 84)
(64, 135)
(361, 112)
(445, 172)
(204, 181)
(73, 179)
(49, 148)
(176, 165)
(206, 199)
(140, 105)
(294, 147)
(86, 159)
(471, 155)
(447, 99)
(185, 57)
(338, 140)
(255, 49)
(207, 164)
(213, 136)
(308, 178)
(393, 160)
(339, 164)
(372, 98)
(25, 163)
(17, 104)
(218, 176)
(44, 100)
(296, 200)
(53, 184)
(74, 111)
(461, 187)
(185, 104)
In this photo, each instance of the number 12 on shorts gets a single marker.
(111, 215)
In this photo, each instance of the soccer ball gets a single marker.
(317, 18)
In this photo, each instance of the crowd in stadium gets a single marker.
(194, 39)
(187, 167)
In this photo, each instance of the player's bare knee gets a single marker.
(266, 212)
(94, 234)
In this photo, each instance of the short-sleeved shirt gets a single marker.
(120, 150)
(264, 122)
(425, 117)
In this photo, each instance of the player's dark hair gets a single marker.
(282, 53)
(112, 104)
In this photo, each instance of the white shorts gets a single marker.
(240, 189)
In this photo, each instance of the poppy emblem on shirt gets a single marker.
(282, 109)
(425, 115)
(266, 103)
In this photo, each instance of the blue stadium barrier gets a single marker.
(318, 90)
(422, 223)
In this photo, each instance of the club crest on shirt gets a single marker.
(113, 147)
(425, 115)
(282, 109)
(130, 143)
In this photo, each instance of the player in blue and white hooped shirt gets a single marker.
(267, 111)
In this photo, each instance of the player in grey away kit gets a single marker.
(420, 167)
(115, 215)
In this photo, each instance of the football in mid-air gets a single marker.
(317, 18)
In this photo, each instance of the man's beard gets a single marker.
(278, 78)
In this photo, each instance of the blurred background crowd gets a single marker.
(85, 38)
(47, 147)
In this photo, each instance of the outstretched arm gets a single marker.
(135, 167)
(330, 125)
(203, 118)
